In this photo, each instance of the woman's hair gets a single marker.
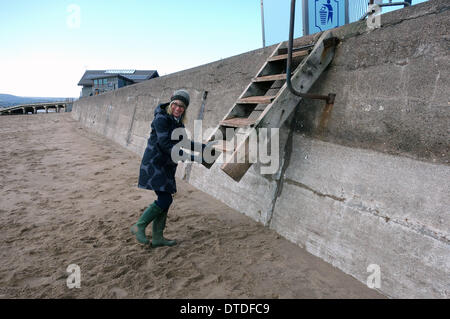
(183, 116)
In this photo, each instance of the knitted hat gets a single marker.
(181, 95)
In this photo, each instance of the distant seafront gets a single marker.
(7, 100)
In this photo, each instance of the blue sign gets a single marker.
(321, 15)
(326, 14)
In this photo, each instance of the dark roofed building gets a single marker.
(95, 82)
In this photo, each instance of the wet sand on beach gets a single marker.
(69, 196)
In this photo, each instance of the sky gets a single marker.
(46, 45)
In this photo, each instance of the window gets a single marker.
(95, 82)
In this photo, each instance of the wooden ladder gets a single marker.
(267, 102)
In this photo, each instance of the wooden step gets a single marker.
(295, 49)
(284, 56)
(237, 122)
(256, 100)
(267, 78)
(238, 163)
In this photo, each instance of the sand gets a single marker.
(68, 196)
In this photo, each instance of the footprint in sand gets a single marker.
(79, 196)
(201, 233)
(35, 282)
(88, 239)
(119, 292)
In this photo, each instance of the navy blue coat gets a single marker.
(157, 171)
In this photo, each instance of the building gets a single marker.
(95, 82)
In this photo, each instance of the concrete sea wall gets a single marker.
(366, 183)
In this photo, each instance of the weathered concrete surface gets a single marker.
(376, 188)
(355, 207)
(392, 86)
(254, 195)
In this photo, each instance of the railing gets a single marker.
(371, 10)
(330, 97)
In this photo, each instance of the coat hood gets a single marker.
(161, 109)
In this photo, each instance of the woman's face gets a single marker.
(177, 108)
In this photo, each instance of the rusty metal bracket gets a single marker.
(327, 44)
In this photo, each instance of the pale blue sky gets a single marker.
(44, 52)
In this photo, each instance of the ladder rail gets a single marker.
(243, 117)
(330, 98)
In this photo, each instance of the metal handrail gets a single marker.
(330, 97)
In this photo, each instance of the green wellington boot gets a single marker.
(138, 229)
(158, 228)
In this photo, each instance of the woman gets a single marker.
(157, 171)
